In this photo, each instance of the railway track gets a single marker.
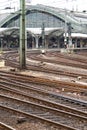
(73, 56)
(30, 92)
(18, 113)
(59, 60)
(3, 126)
(74, 87)
(60, 102)
(36, 90)
(12, 61)
(47, 113)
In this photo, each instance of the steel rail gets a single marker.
(4, 126)
(5, 80)
(46, 70)
(7, 98)
(43, 81)
(46, 101)
(66, 98)
(37, 117)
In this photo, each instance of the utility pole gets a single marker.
(69, 34)
(1, 49)
(22, 35)
(43, 35)
(65, 37)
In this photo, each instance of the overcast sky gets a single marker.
(76, 5)
(70, 4)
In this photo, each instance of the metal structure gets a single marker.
(22, 35)
(54, 20)
(65, 37)
(43, 35)
(37, 15)
(69, 34)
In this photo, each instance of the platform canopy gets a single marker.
(14, 31)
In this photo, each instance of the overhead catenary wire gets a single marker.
(57, 3)
(16, 3)
(75, 5)
(9, 4)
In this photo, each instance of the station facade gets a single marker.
(46, 27)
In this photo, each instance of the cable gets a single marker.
(8, 3)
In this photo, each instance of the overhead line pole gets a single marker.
(43, 35)
(22, 36)
(65, 36)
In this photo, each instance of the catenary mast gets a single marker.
(22, 36)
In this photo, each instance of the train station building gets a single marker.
(46, 27)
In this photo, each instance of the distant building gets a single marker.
(60, 26)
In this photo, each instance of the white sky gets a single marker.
(78, 5)
(70, 4)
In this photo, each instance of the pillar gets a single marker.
(36, 38)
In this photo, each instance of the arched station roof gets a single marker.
(57, 13)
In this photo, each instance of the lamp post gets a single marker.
(22, 36)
